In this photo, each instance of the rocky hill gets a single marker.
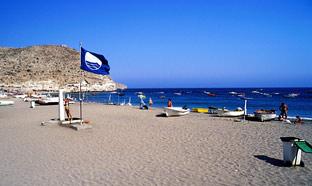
(49, 65)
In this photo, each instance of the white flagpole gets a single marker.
(245, 109)
(80, 93)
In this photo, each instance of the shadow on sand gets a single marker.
(161, 115)
(272, 161)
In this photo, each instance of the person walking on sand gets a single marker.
(284, 110)
(66, 105)
(169, 103)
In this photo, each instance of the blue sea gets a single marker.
(230, 98)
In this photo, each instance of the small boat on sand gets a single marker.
(265, 115)
(230, 113)
(5, 103)
(214, 110)
(48, 101)
(200, 110)
(176, 111)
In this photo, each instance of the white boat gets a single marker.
(267, 94)
(265, 115)
(48, 101)
(176, 111)
(230, 113)
(233, 93)
(4, 103)
(214, 110)
(22, 96)
(177, 93)
(3, 95)
(292, 95)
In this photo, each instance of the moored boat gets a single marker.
(265, 115)
(233, 93)
(5, 103)
(176, 111)
(291, 95)
(209, 94)
(177, 93)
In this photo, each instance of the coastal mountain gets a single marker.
(48, 67)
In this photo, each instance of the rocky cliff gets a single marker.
(48, 67)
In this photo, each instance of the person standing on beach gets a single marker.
(298, 120)
(150, 102)
(169, 103)
(284, 110)
(66, 105)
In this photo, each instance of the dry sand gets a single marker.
(128, 146)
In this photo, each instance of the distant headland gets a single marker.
(48, 68)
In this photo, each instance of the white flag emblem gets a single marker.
(92, 61)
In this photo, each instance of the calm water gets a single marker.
(263, 98)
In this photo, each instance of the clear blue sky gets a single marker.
(217, 43)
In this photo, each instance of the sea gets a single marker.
(299, 100)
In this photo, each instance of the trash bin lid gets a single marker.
(288, 139)
(304, 146)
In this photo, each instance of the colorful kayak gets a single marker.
(200, 110)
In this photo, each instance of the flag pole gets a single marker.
(80, 93)
(245, 109)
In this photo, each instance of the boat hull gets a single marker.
(265, 116)
(222, 113)
(175, 111)
(5, 103)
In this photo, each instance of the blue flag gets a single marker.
(94, 63)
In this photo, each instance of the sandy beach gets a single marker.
(128, 146)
